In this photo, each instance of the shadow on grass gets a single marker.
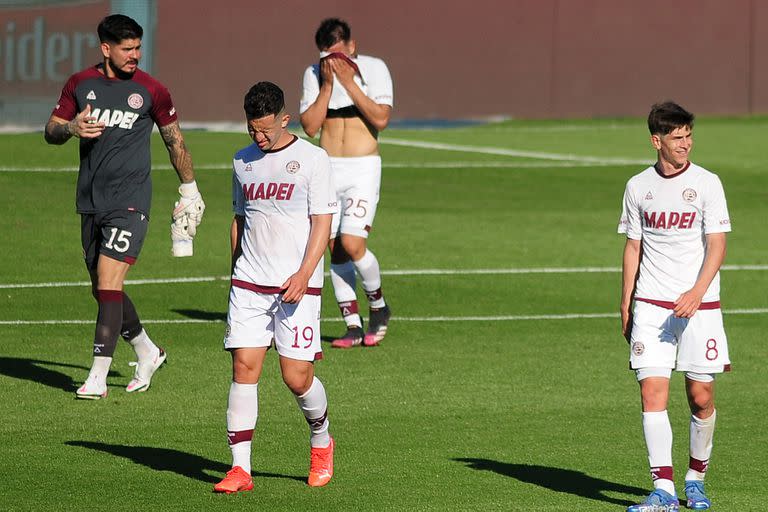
(197, 314)
(558, 479)
(166, 459)
(35, 370)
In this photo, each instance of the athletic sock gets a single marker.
(131, 325)
(143, 346)
(368, 268)
(108, 322)
(343, 280)
(314, 405)
(658, 440)
(702, 432)
(242, 412)
(100, 369)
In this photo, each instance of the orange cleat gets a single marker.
(321, 465)
(236, 480)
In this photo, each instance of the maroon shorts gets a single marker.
(118, 234)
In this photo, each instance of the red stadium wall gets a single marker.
(518, 58)
(515, 58)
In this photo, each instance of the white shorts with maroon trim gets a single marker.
(357, 181)
(255, 318)
(661, 340)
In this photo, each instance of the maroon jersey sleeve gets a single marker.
(163, 111)
(66, 107)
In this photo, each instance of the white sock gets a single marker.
(658, 440)
(143, 346)
(314, 405)
(100, 369)
(702, 432)
(368, 268)
(242, 412)
(343, 280)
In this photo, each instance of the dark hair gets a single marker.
(330, 32)
(666, 117)
(118, 27)
(263, 99)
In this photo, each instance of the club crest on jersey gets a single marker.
(689, 195)
(91, 95)
(135, 100)
(292, 167)
(638, 348)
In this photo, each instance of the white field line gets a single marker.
(496, 318)
(404, 272)
(564, 159)
(515, 152)
(386, 165)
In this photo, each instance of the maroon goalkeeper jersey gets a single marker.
(115, 167)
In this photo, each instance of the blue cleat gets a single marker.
(694, 492)
(658, 501)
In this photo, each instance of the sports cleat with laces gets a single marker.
(321, 465)
(237, 480)
(92, 389)
(694, 494)
(377, 326)
(352, 338)
(142, 377)
(658, 501)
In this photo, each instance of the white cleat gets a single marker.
(142, 377)
(92, 389)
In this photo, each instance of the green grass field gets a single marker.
(500, 386)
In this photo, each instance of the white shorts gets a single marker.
(660, 340)
(357, 182)
(255, 319)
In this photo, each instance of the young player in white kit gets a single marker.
(676, 218)
(283, 202)
(349, 96)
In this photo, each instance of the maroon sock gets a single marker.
(108, 322)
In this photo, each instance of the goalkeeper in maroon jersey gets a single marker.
(111, 107)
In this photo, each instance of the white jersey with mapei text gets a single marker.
(672, 216)
(276, 192)
(374, 80)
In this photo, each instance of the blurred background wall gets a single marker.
(448, 59)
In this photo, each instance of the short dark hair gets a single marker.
(667, 116)
(116, 27)
(330, 32)
(263, 99)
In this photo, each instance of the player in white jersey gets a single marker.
(676, 218)
(283, 202)
(349, 97)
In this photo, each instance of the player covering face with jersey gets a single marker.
(347, 98)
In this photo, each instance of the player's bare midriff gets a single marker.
(348, 137)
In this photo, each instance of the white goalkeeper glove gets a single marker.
(191, 205)
(187, 215)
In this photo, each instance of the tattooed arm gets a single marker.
(58, 130)
(181, 159)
